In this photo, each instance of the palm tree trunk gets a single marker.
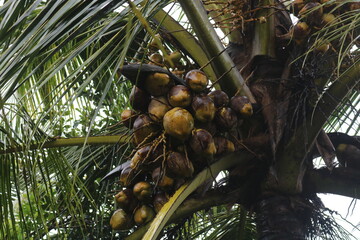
(280, 218)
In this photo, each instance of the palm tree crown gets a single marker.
(67, 75)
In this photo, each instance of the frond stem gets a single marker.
(67, 142)
(232, 82)
(292, 162)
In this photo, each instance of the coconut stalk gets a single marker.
(216, 13)
(149, 30)
(225, 67)
(264, 32)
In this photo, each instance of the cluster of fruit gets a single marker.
(178, 127)
(315, 15)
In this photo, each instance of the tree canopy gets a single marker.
(67, 69)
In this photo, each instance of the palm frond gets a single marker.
(59, 79)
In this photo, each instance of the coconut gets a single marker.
(196, 80)
(322, 47)
(225, 118)
(223, 145)
(143, 191)
(219, 98)
(126, 200)
(127, 176)
(158, 84)
(208, 126)
(328, 18)
(203, 108)
(201, 142)
(179, 165)
(179, 96)
(162, 180)
(139, 99)
(141, 155)
(156, 59)
(160, 199)
(128, 117)
(144, 129)
(300, 31)
(158, 107)
(178, 123)
(120, 220)
(148, 157)
(241, 105)
(143, 214)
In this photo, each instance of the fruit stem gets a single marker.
(186, 41)
(264, 32)
(149, 30)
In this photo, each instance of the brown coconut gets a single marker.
(143, 190)
(120, 220)
(180, 96)
(160, 199)
(196, 80)
(140, 156)
(223, 145)
(143, 214)
(202, 142)
(241, 105)
(225, 118)
(178, 123)
(126, 200)
(127, 176)
(220, 98)
(158, 84)
(203, 108)
(179, 165)
(162, 180)
(139, 99)
(158, 107)
(128, 117)
(144, 129)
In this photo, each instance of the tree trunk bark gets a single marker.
(280, 218)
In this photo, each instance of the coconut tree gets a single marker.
(65, 69)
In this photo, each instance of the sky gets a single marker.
(347, 208)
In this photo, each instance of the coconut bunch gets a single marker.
(178, 128)
(315, 15)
